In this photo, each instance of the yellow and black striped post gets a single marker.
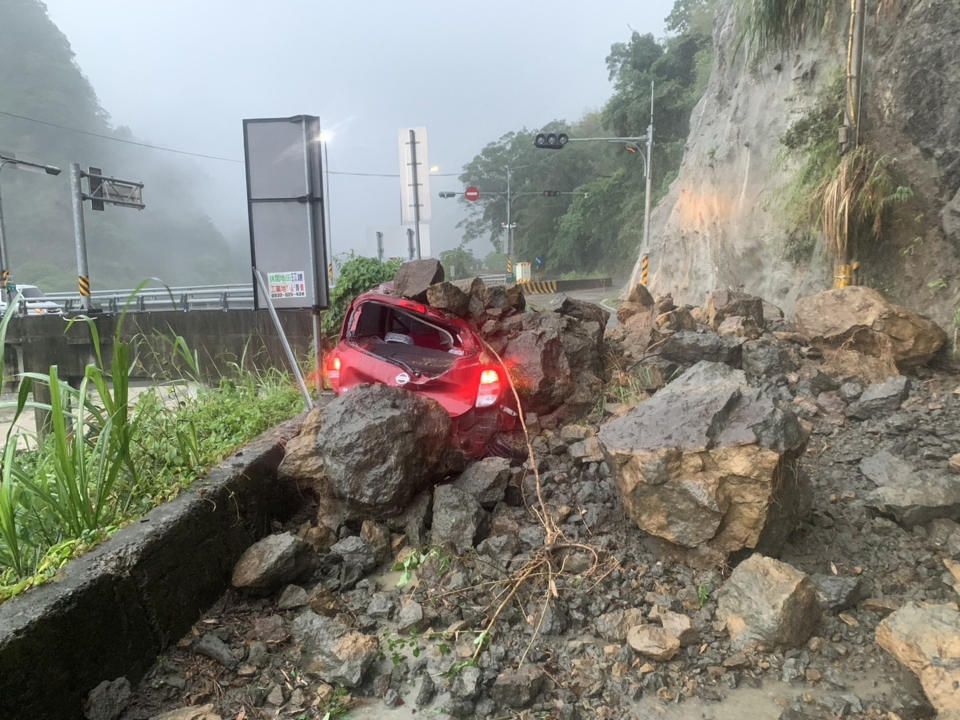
(83, 283)
(841, 276)
(855, 272)
(4, 279)
(644, 269)
(509, 265)
(330, 273)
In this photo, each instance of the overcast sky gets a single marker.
(184, 73)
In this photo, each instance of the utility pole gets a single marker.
(379, 246)
(410, 246)
(509, 228)
(416, 188)
(645, 254)
(79, 236)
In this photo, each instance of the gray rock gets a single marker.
(356, 553)
(293, 596)
(378, 536)
(587, 450)
(880, 398)
(108, 700)
(908, 495)
(456, 518)
(333, 651)
(766, 358)
(517, 689)
(414, 277)
(485, 480)
(466, 685)
(709, 460)
(347, 462)
(768, 602)
(851, 390)
(382, 606)
(836, 592)
(726, 303)
(213, 647)
(426, 689)
(410, 617)
(257, 653)
(689, 347)
(583, 310)
(272, 562)
(613, 626)
(449, 297)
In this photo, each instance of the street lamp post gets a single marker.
(4, 256)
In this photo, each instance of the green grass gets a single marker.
(772, 25)
(106, 460)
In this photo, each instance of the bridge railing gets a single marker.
(198, 297)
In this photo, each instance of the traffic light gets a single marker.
(551, 141)
(447, 194)
(551, 193)
(96, 188)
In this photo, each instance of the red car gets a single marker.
(399, 342)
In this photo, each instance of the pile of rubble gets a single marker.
(594, 579)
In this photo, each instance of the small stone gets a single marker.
(213, 647)
(653, 641)
(954, 463)
(107, 700)
(293, 596)
(276, 695)
(517, 689)
(425, 690)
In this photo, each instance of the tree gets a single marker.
(459, 263)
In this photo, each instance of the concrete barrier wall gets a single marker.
(219, 337)
(114, 610)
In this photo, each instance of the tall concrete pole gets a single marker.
(416, 188)
(4, 258)
(79, 235)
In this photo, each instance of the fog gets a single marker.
(184, 74)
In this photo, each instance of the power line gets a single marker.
(185, 152)
(119, 140)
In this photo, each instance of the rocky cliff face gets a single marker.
(726, 220)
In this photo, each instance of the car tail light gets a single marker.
(333, 370)
(489, 391)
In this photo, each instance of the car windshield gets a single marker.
(30, 292)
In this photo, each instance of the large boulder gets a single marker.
(724, 304)
(926, 639)
(769, 603)
(346, 460)
(709, 461)
(687, 347)
(861, 319)
(450, 297)
(555, 360)
(414, 277)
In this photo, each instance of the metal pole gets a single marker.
(856, 67)
(326, 204)
(318, 350)
(509, 227)
(416, 188)
(379, 246)
(4, 258)
(283, 338)
(79, 236)
(410, 248)
(647, 200)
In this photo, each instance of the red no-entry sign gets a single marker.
(472, 193)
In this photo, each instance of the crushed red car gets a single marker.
(399, 342)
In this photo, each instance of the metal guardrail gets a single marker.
(199, 297)
(496, 279)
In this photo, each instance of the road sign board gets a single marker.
(285, 211)
(472, 193)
